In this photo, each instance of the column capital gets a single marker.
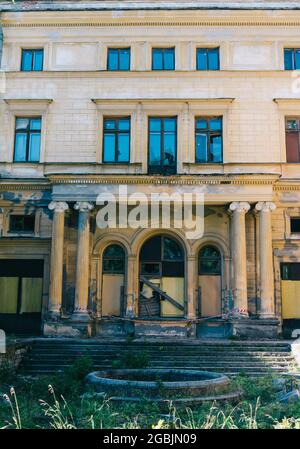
(58, 206)
(265, 206)
(239, 206)
(83, 206)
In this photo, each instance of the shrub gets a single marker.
(131, 360)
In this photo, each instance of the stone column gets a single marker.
(191, 288)
(265, 209)
(239, 257)
(56, 263)
(131, 263)
(82, 263)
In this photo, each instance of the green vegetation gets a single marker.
(63, 401)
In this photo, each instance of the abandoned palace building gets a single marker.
(173, 97)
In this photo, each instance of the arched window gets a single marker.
(210, 260)
(162, 256)
(114, 260)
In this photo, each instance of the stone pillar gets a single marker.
(239, 257)
(131, 262)
(265, 209)
(191, 288)
(56, 263)
(82, 263)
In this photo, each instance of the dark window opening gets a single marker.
(208, 59)
(292, 133)
(210, 261)
(22, 223)
(162, 145)
(116, 140)
(27, 139)
(114, 260)
(292, 58)
(118, 59)
(290, 271)
(163, 58)
(295, 225)
(32, 60)
(162, 256)
(208, 138)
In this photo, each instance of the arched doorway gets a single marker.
(113, 279)
(210, 279)
(161, 278)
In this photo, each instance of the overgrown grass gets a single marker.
(59, 402)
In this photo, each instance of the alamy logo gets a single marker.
(152, 210)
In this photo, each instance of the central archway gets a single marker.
(161, 274)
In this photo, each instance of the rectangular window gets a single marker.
(162, 145)
(208, 139)
(292, 134)
(208, 59)
(27, 139)
(21, 223)
(291, 58)
(295, 225)
(116, 140)
(118, 59)
(163, 58)
(32, 60)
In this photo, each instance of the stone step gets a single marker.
(76, 351)
(259, 358)
(166, 358)
(206, 347)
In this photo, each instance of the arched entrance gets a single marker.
(113, 279)
(210, 279)
(161, 291)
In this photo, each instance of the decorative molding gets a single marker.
(58, 206)
(239, 206)
(153, 23)
(28, 104)
(84, 206)
(179, 180)
(17, 186)
(265, 206)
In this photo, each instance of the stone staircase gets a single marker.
(47, 356)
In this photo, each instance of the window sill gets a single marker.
(120, 164)
(204, 164)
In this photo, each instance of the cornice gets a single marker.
(169, 180)
(174, 23)
(21, 185)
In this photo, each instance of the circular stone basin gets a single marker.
(161, 384)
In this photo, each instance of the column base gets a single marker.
(80, 316)
(255, 329)
(54, 315)
(267, 316)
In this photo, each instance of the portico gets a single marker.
(102, 279)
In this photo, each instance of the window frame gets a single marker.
(212, 259)
(28, 132)
(32, 50)
(119, 50)
(297, 131)
(22, 231)
(163, 170)
(115, 132)
(119, 258)
(207, 58)
(208, 132)
(293, 49)
(163, 49)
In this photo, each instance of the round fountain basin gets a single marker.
(160, 384)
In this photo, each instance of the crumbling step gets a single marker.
(254, 358)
